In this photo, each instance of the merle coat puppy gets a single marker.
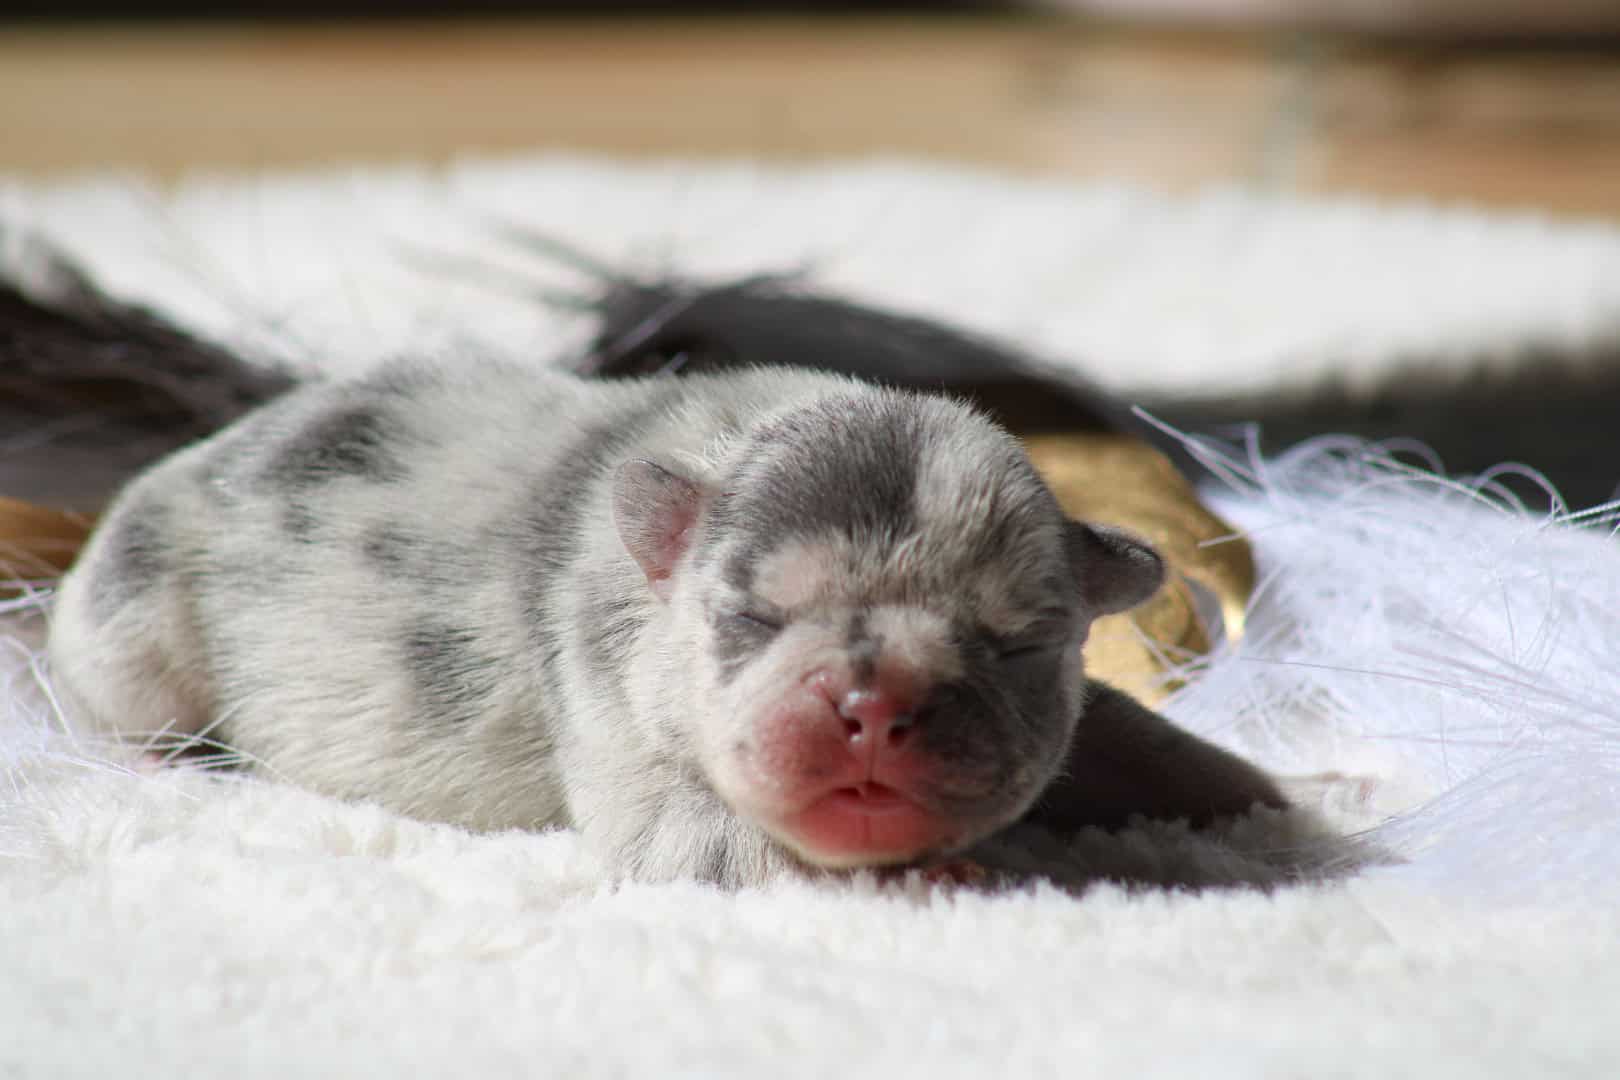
(727, 626)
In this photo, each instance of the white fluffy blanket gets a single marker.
(1425, 661)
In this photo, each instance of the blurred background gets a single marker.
(1488, 102)
(1493, 104)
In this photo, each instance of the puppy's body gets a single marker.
(723, 625)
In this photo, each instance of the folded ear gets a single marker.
(1116, 571)
(655, 511)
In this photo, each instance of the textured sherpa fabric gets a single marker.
(1433, 670)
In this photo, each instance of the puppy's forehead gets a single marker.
(977, 481)
(847, 463)
(884, 497)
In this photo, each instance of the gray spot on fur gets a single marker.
(738, 639)
(403, 555)
(298, 521)
(738, 571)
(388, 549)
(845, 464)
(863, 648)
(451, 678)
(993, 718)
(549, 539)
(134, 557)
(354, 441)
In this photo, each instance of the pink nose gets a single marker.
(875, 718)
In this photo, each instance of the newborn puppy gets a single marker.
(725, 625)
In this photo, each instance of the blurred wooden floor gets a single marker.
(1519, 127)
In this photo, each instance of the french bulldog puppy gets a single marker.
(728, 626)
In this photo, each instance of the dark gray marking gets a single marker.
(221, 574)
(134, 557)
(298, 521)
(991, 724)
(844, 464)
(547, 536)
(441, 564)
(388, 549)
(1047, 633)
(555, 508)
(738, 639)
(715, 862)
(1115, 571)
(738, 571)
(863, 648)
(354, 441)
(452, 679)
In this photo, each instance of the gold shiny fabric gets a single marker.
(1120, 480)
(37, 543)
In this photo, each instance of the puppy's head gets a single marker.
(886, 607)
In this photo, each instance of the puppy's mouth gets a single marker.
(866, 824)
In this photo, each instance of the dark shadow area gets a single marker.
(1557, 414)
(93, 389)
(1265, 851)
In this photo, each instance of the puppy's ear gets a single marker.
(655, 510)
(1116, 571)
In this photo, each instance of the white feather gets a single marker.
(1438, 640)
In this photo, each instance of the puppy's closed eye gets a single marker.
(758, 620)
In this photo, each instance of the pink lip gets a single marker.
(869, 798)
(867, 822)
